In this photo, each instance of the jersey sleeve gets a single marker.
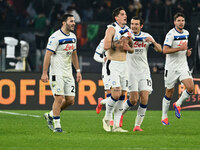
(98, 56)
(52, 43)
(75, 45)
(168, 39)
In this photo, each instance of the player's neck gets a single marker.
(136, 33)
(121, 25)
(65, 31)
(179, 30)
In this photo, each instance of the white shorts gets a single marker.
(172, 76)
(62, 85)
(139, 82)
(117, 73)
(105, 79)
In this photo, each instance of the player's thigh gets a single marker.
(187, 80)
(106, 82)
(57, 84)
(69, 87)
(185, 74)
(189, 84)
(114, 80)
(124, 79)
(113, 73)
(170, 78)
(132, 83)
(145, 84)
(69, 99)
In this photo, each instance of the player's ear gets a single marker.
(64, 22)
(141, 26)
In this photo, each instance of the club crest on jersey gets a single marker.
(182, 42)
(113, 83)
(58, 89)
(139, 44)
(69, 47)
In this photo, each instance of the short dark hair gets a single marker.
(178, 15)
(116, 12)
(139, 18)
(66, 16)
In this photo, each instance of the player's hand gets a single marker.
(78, 77)
(189, 52)
(44, 77)
(183, 46)
(149, 40)
(127, 44)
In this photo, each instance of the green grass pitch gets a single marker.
(84, 131)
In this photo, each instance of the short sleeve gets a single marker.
(168, 39)
(52, 43)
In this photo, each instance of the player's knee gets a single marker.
(71, 101)
(133, 100)
(116, 93)
(144, 100)
(190, 89)
(58, 99)
(169, 92)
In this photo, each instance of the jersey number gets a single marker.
(73, 88)
(148, 82)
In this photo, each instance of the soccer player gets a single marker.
(116, 68)
(139, 81)
(100, 56)
(176, 66)
(61, 54)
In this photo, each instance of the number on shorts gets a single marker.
(148, 82)
(189, 73)
(72, 89)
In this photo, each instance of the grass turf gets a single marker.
(84, 131)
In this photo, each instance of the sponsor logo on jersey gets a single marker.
(69, 47)
(138, 44)
(182, 42)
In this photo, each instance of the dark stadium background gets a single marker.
(24, 19)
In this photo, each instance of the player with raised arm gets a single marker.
(176, 66)
(116, 67)
(139, 81)
(60, 55)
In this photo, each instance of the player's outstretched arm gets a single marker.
(76, 66)
(46, 62)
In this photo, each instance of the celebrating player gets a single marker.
(139, 81)
(116, 68)
(176, 67)
(60, 54)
